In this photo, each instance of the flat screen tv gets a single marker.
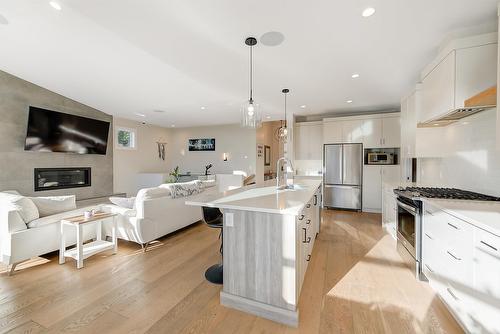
(52, 131)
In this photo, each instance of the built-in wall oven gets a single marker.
(409, 232)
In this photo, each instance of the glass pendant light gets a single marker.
(282, 132)
(251, 116)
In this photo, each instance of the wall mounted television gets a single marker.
(52, 131)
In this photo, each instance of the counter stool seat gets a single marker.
(213, 218)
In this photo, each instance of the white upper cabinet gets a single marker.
(308, 139)
(332, 132)
(372, 131)
(352, 131)
(391, 132)
(382, 132)
(469, 67)
(316, 142)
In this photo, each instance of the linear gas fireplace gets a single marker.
(61, 178)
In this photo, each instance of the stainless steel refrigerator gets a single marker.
(343, 176)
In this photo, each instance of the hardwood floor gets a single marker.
(355, 283)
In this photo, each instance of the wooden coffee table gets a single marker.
(82, 251)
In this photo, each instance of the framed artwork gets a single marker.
(203, 144)
(260, 150)
(267, 155)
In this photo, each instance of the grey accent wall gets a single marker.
(16, 165)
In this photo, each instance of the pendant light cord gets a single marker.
(285, 109)
(251, 74)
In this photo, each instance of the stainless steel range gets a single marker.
(409, 218)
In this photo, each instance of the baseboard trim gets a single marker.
(286, 317)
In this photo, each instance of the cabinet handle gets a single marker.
(453, 256)
(430, 269)
(452, 294)
(315, 199)
(455, 227)
(490, 246)
(308, 221)
(308, 258)
(301, 217)
(305, 235)
(308, 206)
(308, 240)
(428, 236)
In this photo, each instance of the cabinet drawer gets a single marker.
(434, 224)
(458, 238)
(486, 259)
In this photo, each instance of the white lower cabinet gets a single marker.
(373, 178)
(307, 229)
(389, 211)
(462, 264)
(485, 304)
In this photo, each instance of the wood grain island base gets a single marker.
(268, 240)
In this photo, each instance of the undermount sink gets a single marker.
(291, 187)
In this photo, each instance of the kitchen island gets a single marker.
(268, 240)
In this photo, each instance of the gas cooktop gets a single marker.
(445, 193)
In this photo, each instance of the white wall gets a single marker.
(239, 143)
(144, 159)
(472, 161)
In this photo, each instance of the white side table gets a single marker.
(82, 251)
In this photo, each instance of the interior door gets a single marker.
(352, 163)
(333, 164)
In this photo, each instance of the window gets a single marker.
(125, 138)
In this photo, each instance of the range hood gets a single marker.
(487, 99)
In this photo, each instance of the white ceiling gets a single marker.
(131, 56)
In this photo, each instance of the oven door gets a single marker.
(407, 221)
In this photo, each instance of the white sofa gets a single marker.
(22, 239)
(156, 214)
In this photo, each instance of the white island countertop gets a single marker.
(482, 214)
(262, 197)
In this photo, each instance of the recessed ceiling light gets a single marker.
(355, 75)
(349, 101)
(55, 5)
(268, 117)
(140, 115)
(203, 108)
(437, 124)
(173, 125)
(303, 106)
(367, 12)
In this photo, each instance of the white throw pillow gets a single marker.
(123, 202)
(23, 205)
(51, 205)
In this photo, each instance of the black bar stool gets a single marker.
(213, 218)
